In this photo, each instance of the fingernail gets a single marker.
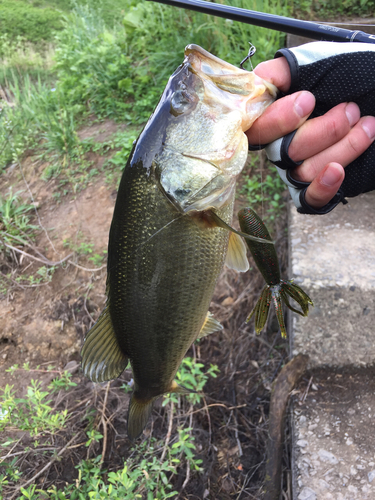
(304, 104)
(368, 125)
(331, 176)
(352, 113)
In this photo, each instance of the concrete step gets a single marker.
(333, 258)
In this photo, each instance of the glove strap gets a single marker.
(305, 208)
(256, 147)
(277, 152)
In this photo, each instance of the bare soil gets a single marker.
(45, 325)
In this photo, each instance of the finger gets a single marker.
(344, 152)
(275, 71)
(320, 133)
(325, 185)
(282, 117)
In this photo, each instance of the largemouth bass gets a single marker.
(166, 249)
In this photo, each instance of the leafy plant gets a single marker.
(146, 474)
(13, 210)
(33, 414)
(260, 189)
(332, 8)
(14, 223)
(98, 259)
(191, 375)
(22, 18)
(43, 275)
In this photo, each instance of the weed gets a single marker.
(85, 248)
(32, 414)
(98, 259)
(21, 18)
(12, 212)
(42, 276)
(15, 225)
(333, 8)
(147, 473)
(266, 190)
(191, 375)
(20, 56)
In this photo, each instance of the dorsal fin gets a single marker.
(102, 357)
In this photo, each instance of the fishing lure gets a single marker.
(276, 289)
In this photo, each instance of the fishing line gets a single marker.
(161, 229)
(147, 241)
(252, 50)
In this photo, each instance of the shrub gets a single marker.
(19, 18)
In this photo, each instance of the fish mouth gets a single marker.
(203, 62)
(224, 82)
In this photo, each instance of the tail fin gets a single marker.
(138, 415)
(102, 357)
(140, 410)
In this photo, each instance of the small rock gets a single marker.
(307, 494)
(371, 476)
(302, 443)
(327, 456)
(323, 484)
(352, 488)
(72, 367)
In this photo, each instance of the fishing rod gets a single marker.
(307, 29)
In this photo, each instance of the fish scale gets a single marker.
(141, 297)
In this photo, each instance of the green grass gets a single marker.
(37, 21)
(20, 18)
(150, 471)
(331, 9)
(115, 72)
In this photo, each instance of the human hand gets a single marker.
(326, 144)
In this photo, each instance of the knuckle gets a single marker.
(354, 144)
(336, 129)
(308, 170)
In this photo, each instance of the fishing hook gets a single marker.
(252, 51)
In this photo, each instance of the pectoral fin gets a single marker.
(210, 325)
(102, 358)
(236, 255)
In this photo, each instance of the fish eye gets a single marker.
(181, 102)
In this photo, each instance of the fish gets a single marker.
(170, 234)
(276, 289)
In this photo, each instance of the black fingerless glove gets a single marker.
(334, 72)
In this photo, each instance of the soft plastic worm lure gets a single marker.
(276, 289)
